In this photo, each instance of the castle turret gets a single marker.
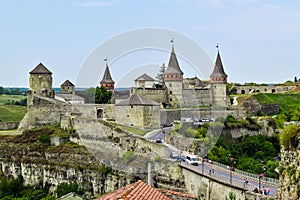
(218, 75)
(173, 78)
(107, 80)
(40, 83)
(67, 88)
(218, 80)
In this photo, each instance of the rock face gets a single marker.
(253, 106)
(289, 175)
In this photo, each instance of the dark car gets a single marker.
(158, 140)
(167, 124)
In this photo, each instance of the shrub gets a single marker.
(289, 138)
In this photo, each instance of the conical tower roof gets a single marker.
(218, 68)
(173, 66)
(40, 69)
(107, 77)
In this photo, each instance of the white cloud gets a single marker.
(95, 3)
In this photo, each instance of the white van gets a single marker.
(192, 160)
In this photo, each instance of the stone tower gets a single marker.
(107, 81)
(173, 78)
(40, 83)
(218, 80)
(67, 88)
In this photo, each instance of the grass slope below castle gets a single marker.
(286, 101)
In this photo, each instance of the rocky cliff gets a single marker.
(289, 178)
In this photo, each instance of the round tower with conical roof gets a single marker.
(173, 78)
(218, 80)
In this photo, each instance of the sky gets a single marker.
(258, 39)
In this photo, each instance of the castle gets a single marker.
(144, 106)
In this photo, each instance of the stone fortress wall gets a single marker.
(262, 89)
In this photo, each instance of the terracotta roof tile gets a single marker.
(135, 191)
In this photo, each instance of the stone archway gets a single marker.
(243, 92)
(99, 113)
(273, 90)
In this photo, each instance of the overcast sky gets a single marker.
(258, 39)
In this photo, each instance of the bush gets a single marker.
(289, 138)
(65, 188)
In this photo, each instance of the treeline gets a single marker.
(12, 91)
(14, 189)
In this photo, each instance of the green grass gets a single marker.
(286, 101)
(136, 131)
(12, 113)
(10, 99)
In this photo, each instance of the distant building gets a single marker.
(68, 95)
(144, 81)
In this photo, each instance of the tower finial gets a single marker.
(106, 60)
(217, 46)
(172, 41)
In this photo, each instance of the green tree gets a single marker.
(1, 90)
(65, 188)
(160, 75)
(102, 95)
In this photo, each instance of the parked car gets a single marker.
(174, 155)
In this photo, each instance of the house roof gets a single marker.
(40, 69)
(67, 83)
(106, 76)
(123, 94)
(138, 190)
(173, 66)
(137, 99)
(218, 68)
(72, 196)
(144, 77)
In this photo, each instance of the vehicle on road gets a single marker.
(192, 160)
(167, 124)
(174, 155)
(158, 140)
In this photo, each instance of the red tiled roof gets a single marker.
(135, 191)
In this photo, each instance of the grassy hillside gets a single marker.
(10, 99)
(12, 113)
(286, 101)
